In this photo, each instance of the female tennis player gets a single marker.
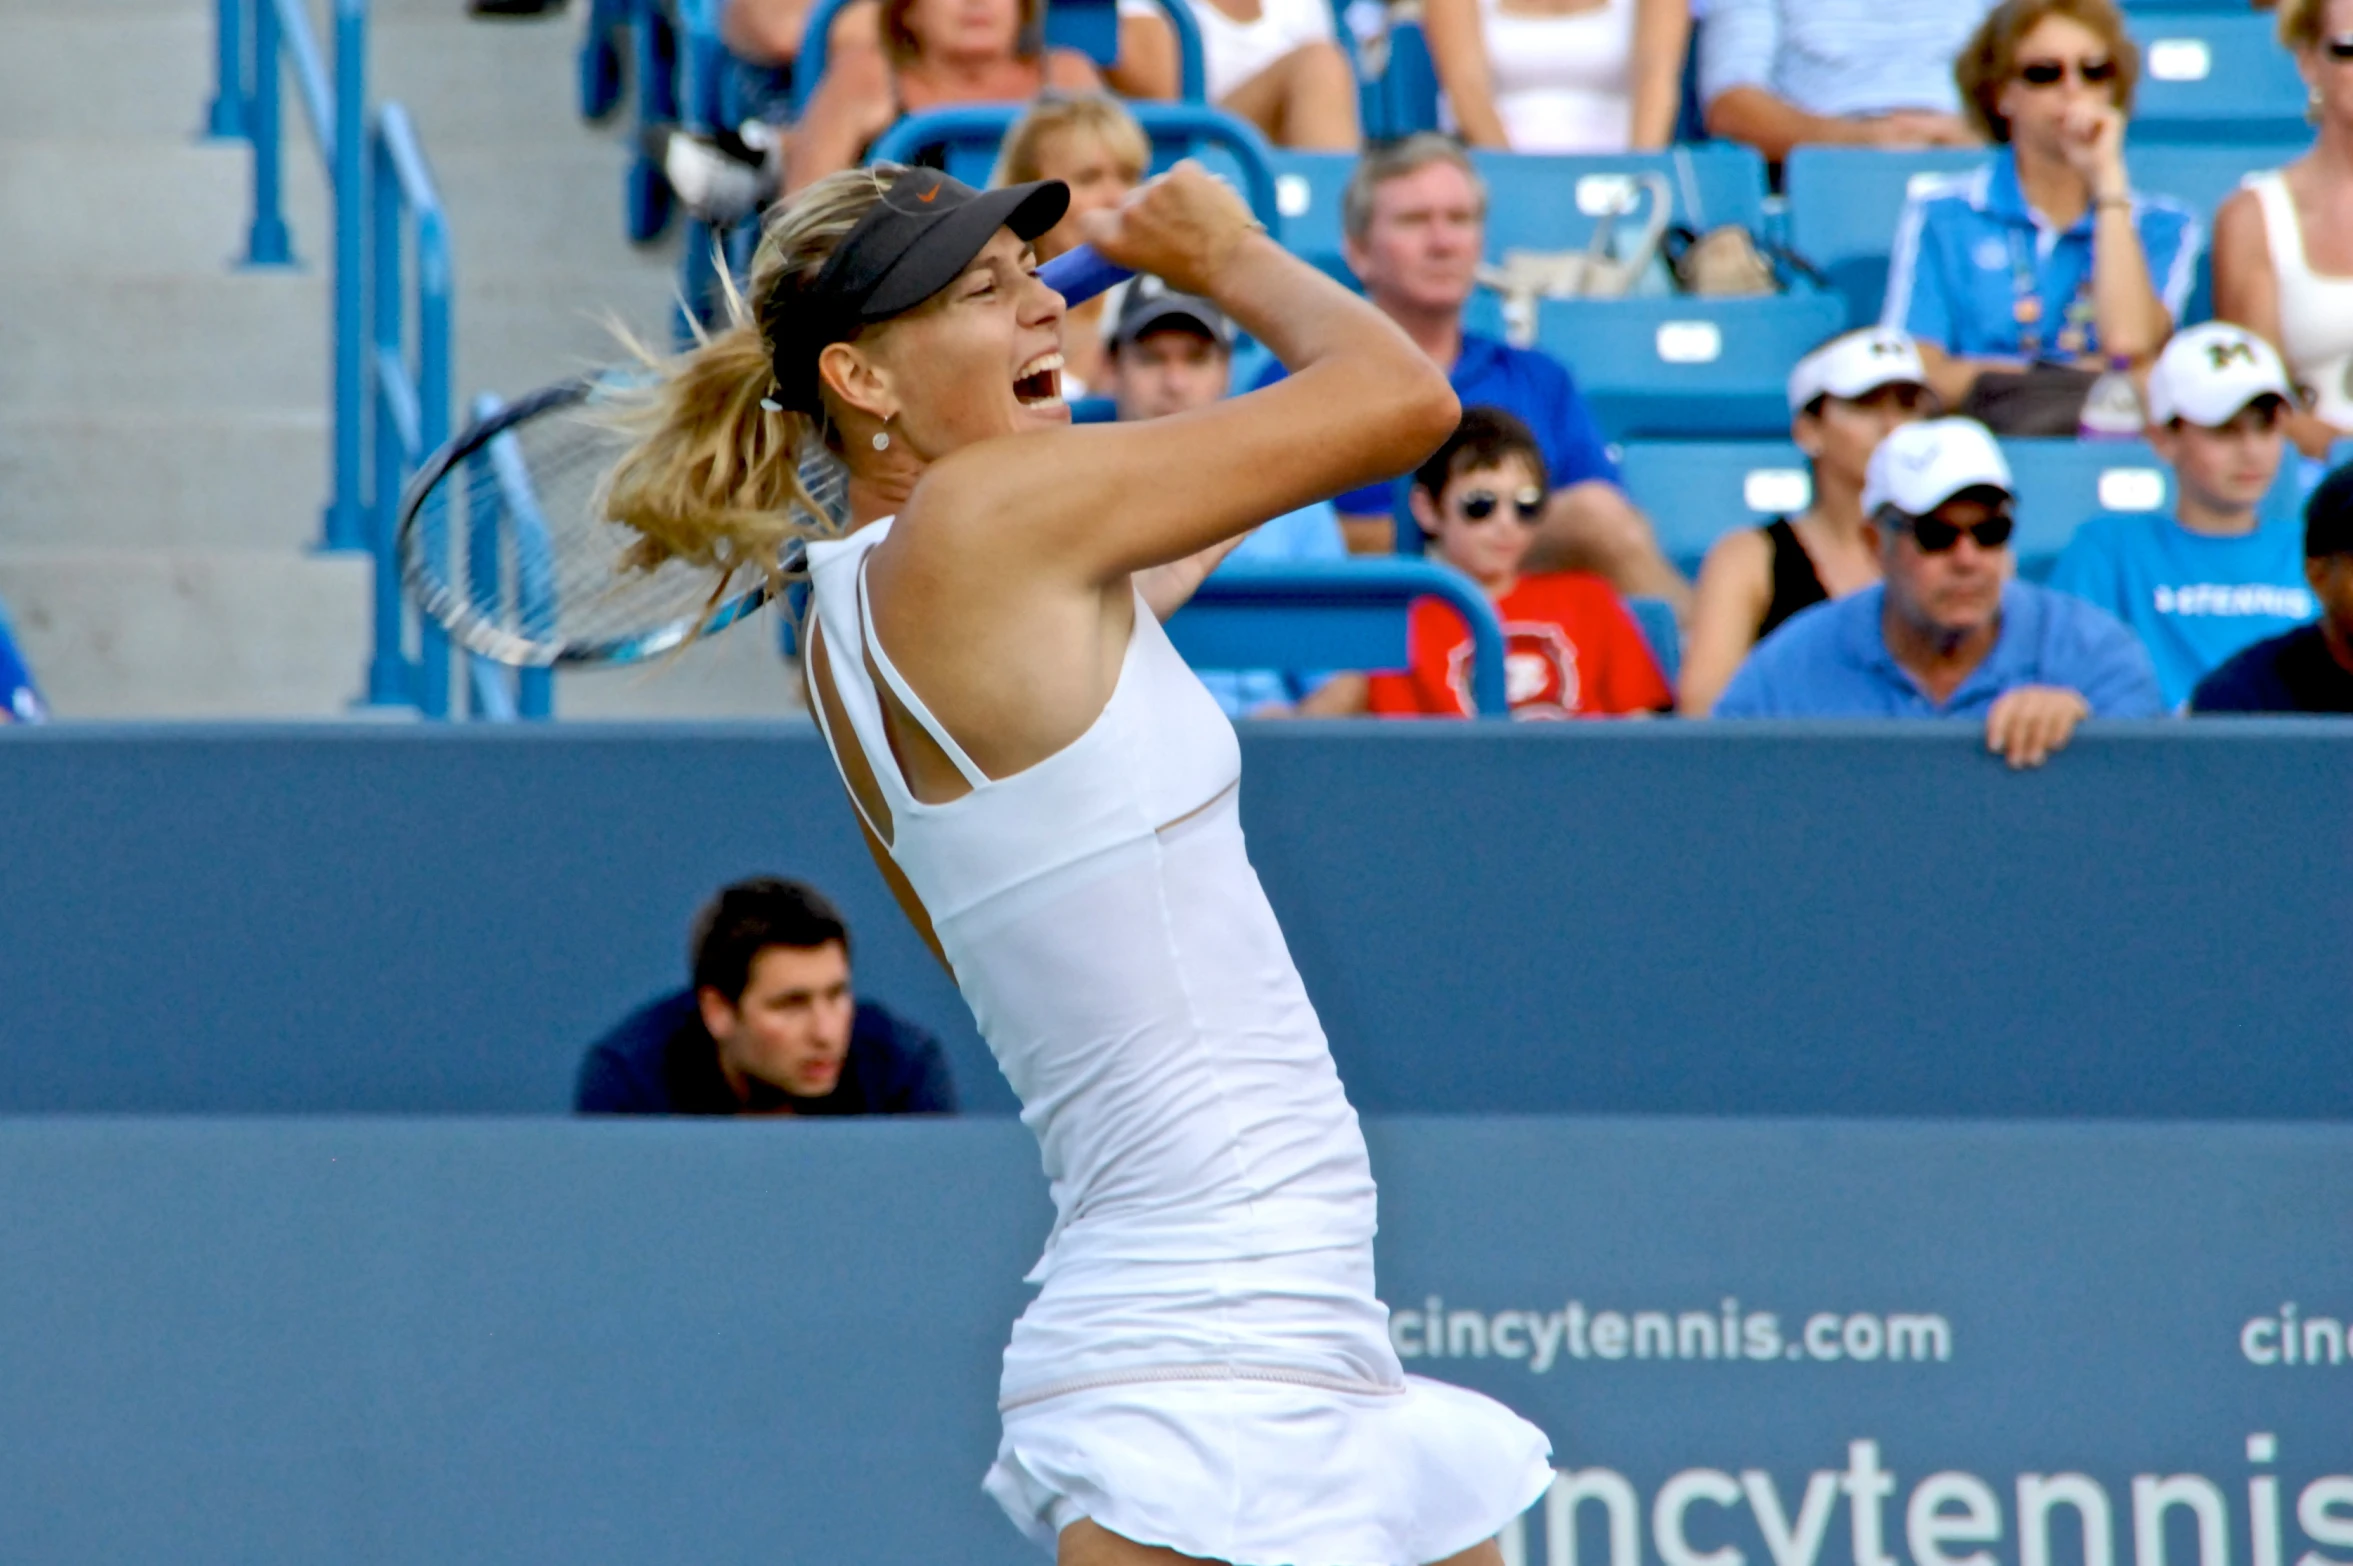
(1205, 1371)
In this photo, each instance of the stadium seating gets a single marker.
(1687, 367)
(2215, 76)
(965, 139)
(1843, 207)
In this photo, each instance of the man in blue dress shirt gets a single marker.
(1949, 633)
(2201, 584)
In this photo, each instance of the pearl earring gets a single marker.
(882, 440)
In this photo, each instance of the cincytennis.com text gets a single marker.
(1542, 1339)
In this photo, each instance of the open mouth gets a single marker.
(1039, 385)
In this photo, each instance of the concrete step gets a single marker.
(66, 204)
(736, 674)
(252, 341)
(184, 478)
(213, 633)
(72, 70)
(476, 83)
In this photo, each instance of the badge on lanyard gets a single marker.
(2028, 310)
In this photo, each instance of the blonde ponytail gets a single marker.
(712, 478)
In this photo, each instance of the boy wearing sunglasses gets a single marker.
(1570, 648)
(2201, 584)
(1949, 632)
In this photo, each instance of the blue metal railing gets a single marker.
(411, 397)
(1346, 615)
(254, 38)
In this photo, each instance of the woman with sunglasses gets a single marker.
(1571, 650)
(2045, 257)
(2283, 246)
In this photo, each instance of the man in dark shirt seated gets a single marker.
(768, 1027)
(2308, 669)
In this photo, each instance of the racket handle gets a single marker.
(1079, 275)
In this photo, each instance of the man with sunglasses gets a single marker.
(1571, 650)
(2201, 584)
(1950, 632)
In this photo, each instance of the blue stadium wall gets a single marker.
(1650, 919)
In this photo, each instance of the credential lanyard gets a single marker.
(2026, 306)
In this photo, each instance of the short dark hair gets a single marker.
(1485, 437)
(747, 918)
(2328, 516)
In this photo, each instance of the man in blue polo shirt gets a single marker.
(1414, 219)
(2201, 584)
(1949, 633)
(767, 1027)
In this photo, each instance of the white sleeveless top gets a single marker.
(2315, 310)
(1562, 84)
(1232, 52)
(1106, 928)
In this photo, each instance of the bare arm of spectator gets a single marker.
(2133, 322)
(1067, 70)
(1735, 589)
(1148, 65)
(1662, 39)
(853, 104)
(1593, 526)
(1458, 49)
(2246, 290)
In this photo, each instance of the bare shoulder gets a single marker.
(1071, 71)
(1739, 555)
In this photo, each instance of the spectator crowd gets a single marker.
(2037, 292)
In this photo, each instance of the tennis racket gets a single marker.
(503, 544)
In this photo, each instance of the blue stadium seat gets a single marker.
(1655, 618)
(2063, 482)
(1308, 188)
(968, 137)
(1349, 615)
(1843, 207)
(1685, 366)
(2221, 75)
(1696, 491)
(1409, 86)
(2200, 178)
(1552, 203)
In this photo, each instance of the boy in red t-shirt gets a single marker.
(1570, 648)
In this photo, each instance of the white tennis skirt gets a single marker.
(1252, 1413)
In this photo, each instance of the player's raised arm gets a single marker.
(1097, 502)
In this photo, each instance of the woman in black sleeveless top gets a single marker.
(1844, 397)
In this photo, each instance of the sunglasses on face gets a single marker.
(2050, 73)
(2339, 49)
(1477, 505)
(1935, 536)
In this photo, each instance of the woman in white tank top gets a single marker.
(2283, 245)
(1563, 76)
(1206, 1369)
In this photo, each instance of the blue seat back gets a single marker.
(1843, 207)
(1537, 202)
(1694, 492)
(1348, 615)
(2201, 178)
(966, 137)
(1409, 86)
(1655, 619)
(1309, 187)
(2218, 75)
(1686, 366)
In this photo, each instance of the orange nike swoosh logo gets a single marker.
(929, 194)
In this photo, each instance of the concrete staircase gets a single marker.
(163, 423)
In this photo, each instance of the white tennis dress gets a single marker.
(1205, 1366)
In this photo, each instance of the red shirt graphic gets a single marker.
(1570, 651)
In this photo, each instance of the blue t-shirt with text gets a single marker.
(1534, 388)
(1832, 661)
(2193, 599)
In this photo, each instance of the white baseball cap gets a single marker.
(1921, 466)
(1855, 363)
(2208, 373)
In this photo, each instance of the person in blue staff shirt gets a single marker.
(20, 698)
(2046, 254)
(2201, 584)
(1949, 632)
(768, 1026)
(2308, 669)
(1414, 225)
(1169, 353)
